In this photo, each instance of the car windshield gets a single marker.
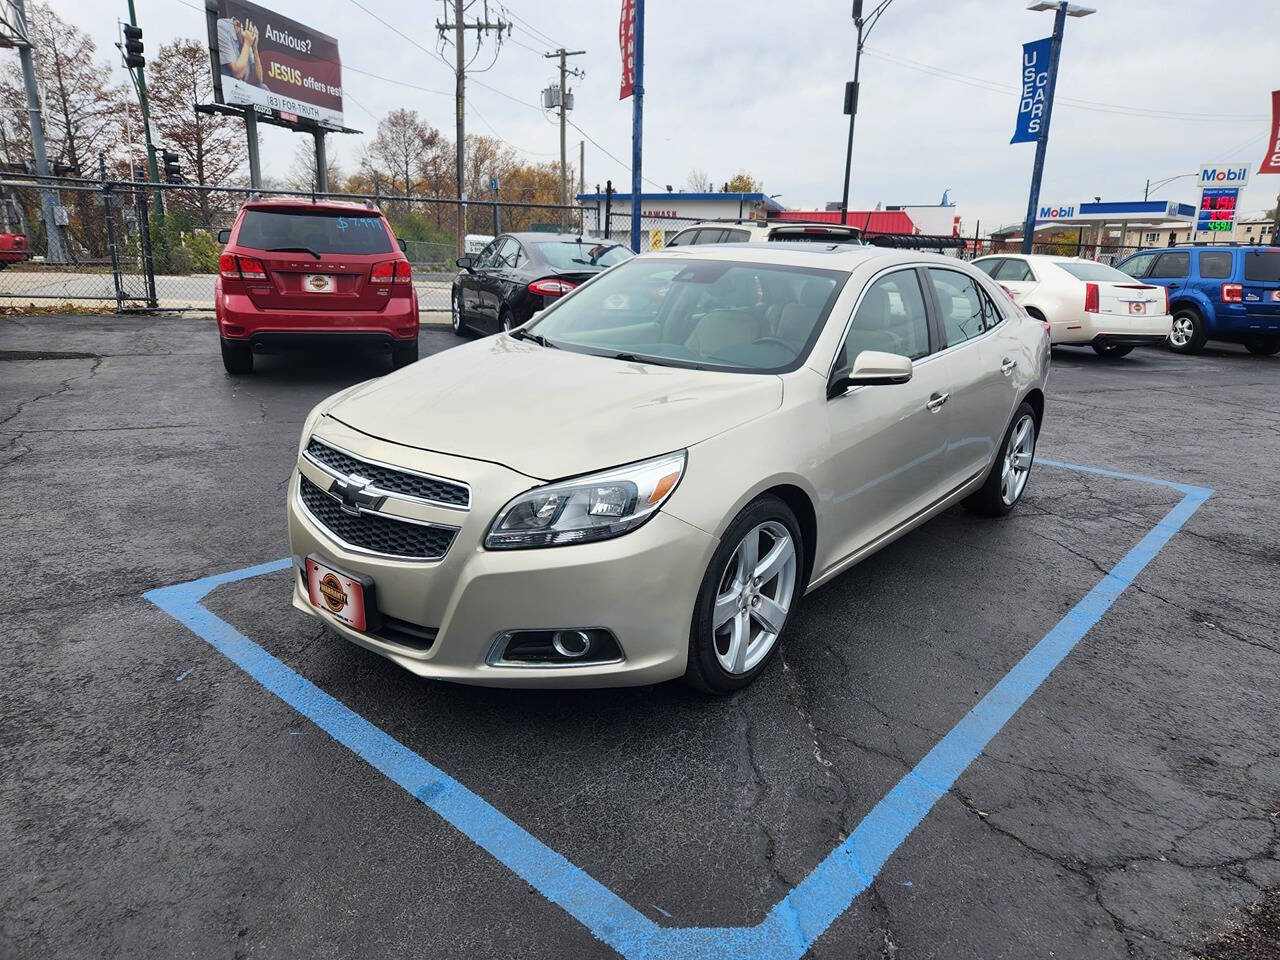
(319, 231)
(1262, 266)
(1093, 271)
(727, 315)
(576, 254)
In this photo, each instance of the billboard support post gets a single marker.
(322, 163)
(251, 135)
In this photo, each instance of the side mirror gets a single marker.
(870, 368)
(224, 237)
(403, 248)
(464, 263)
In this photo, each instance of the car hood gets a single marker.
(551, 413)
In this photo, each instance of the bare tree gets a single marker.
(401, 139)
(697, 181)
(302, 171)
(212, 148)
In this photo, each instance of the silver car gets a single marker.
(641, 482)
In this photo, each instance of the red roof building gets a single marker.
(870, 222)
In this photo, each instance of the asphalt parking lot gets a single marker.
(160, 798)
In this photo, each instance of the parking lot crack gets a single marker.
(62, 387)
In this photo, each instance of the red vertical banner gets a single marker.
(627, 45)
(1271, 162)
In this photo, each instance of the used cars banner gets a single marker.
(276, 63)
(1034, 83)
(1271, 163)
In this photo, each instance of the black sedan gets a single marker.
(520, 273)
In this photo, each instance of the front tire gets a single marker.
(1008, 478)
(505, 323)
(455, 311)
(1263, 346)
(1188, 334)
(752, 585)
(237, 357)
(1115, 350)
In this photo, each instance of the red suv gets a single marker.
(294, 272)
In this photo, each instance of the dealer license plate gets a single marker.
(1275, 295)
(336, 594)
(1137, 306)
(318, 283)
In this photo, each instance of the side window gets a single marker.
(1013, 269)
(1214, 266)
(989, 267)
(890, 318)
(736, 236)
(1138, 266)
(508, 253)
(485, 259)
(710, 236)
(990, 312)
(683, 238)
(963, 312)
(1171, 265)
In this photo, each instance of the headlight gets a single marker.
(596, 507)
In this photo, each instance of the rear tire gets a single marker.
(1188, 334)
(1263, 346)
(455, 310)
(403, 354)
(1115, 350)
(505, 323)
(763, 528)
(237, 357)
(1011, 471)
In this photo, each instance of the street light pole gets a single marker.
(1062, 9)
(851, 92)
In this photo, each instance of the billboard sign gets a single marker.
(1271, 162)
(265, 60)
(1034, 84)
(1217, 213)
(627, 46)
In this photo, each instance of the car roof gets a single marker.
(536, 236)
(830, 256)
(303, 203)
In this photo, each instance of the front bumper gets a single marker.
(640, 586)
(1115, 328)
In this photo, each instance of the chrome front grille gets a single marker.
(372, 532)
(386, 479)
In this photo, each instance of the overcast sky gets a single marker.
(758, 85)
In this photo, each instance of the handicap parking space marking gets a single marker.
(795, 923)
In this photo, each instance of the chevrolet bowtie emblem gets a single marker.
(354, 494)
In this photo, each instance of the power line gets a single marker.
(538, 34)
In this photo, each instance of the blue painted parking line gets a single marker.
(793, 925)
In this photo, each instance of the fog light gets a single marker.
(554, 648)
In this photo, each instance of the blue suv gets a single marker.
(1216, 293)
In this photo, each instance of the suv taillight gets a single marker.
(1232, 293)
(1090, 298)
(233, 267)
(551, 287)
(390, 271)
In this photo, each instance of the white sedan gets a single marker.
(1084, 302)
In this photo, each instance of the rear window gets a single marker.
(1093, 271)
(1262, 266)
(318, 231)
(1215, 266)
(574, 255)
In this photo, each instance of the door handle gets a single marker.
(935, 402)
(1007, 366)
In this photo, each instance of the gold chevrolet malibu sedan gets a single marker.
(641, 482)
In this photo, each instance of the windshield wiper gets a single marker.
(293, 250)
(656, 361)
(522, 334)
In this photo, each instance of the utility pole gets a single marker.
(1062, 9)
(57, 250)
(637, 129)
(864, 26)
(141, 83)
(564, 102)
(459, 27)
(582, 166)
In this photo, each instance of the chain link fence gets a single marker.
(138, 246)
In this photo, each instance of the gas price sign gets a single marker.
(1217, 212)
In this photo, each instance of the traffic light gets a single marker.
(171, 172)
(133, 46)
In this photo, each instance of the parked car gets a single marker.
(297, 272)
(13, 249)
(642, 482)
(518, 274)
(754, 231)
(1085, 303)
(1216, 293)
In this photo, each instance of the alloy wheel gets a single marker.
(1183, 331)
(754, 596)
(456, 313)
(1018, 455)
